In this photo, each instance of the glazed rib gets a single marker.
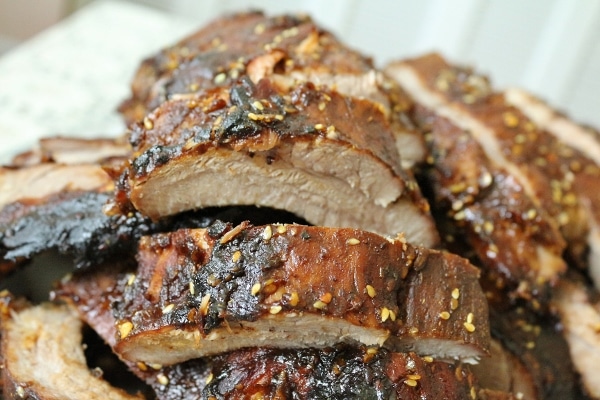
(287, 48)
(584, 144)
(43, 357)
(324, 157)
(204, 292)
(580, 318)
(340, 372)
(456, 102)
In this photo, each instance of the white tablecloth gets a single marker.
(70, 79)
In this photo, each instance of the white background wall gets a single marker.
(551, 47)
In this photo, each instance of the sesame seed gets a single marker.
(130, 279)
(156, 366)
(294, 298)
(415, 377)
(279, 117)
(162, 379)
(510, 119)
(281, 229)
(204, 304)
(258, 105)
(469, 327)
(453, 304)
(372, 350)
(456, 293)
(236, 256)
(371, 291)
(194, 87)
(275, 309)
(220, 78)
(459, 216)
(267, 233)
(125, 329)
(20, 391)
(530, 345)
(457, 205)
(319, 305)
(192, 288)
(486, 180)
(385, 314)
(488, 227)
(148, 124)
(352, 241)
(473, 393)
(253, 117)
(258, 29)
(392, 315)
(322, 106)
(255, 289)
(142, 366)
(410, 382)
(445, 315)
(319, 126)
(413, 330)
(168, 308)
(428, 359)
(209, 378)
(326, 298)
(470, 317)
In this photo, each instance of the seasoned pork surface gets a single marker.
(340, 372)
(203, 292)
(327, 158)
(513, 150)
(583, 144)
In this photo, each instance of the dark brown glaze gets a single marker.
(488, 206)
(561, 179)
(235, 45)
(337, 373)
(194, 284)
(185, 141)
(340, 372)
(490, 182)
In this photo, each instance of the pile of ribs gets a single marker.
(284, 220)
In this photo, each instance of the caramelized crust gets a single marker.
(511, 146)
(202, 292)
(276, 150)
(340, 372)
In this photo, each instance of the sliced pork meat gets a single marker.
(70, 151)
(43, 357)
(582, 146)
(340, 372)
(511, 146)
(579, 312)
(41, 180)
(203, 292)
(327, 158)
(288, 49)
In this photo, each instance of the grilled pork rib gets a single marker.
(513, 150)
(288, 49)
(203, 292)
(327, 158)
(43, 357)
(585, 145)
(340, 372)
